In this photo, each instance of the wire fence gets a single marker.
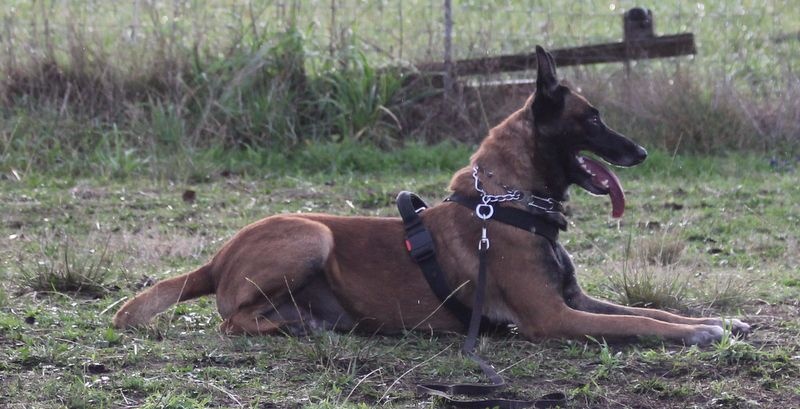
(241, 68)
(736, 39)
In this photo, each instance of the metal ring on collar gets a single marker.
(484, 211)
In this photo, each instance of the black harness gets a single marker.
(420, 246)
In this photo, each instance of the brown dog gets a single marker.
(322, 271)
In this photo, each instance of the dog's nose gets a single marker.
(641, 154)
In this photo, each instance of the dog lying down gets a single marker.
(332, 272)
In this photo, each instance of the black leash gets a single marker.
(447, 391)
(417, 237)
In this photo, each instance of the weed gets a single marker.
(724, 291)
(589, 393)
(115, 158)
(336, 353)
(730, 351)
(662, 251)
(3, 296)
(359, 98)
(644, 285)
(111, 337)
(727, 340)
(609, 362)
(59, 268)
(660, 388)
(649, 386)
(172, 400)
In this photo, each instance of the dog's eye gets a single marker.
(594, 120)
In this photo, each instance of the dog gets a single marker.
(327, 272)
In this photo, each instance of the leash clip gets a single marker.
(483, 244)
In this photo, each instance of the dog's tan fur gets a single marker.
(323, 271)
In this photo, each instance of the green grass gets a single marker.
(58, 350)
(111, 114)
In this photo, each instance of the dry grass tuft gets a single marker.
(63, 267)
(654, 276)
(722, 291)
(661, 251)
(649, 286)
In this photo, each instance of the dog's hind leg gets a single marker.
(266, 265)
(249, 321)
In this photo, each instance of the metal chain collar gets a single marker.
(487, 198)
(485, 210)
(513, 195)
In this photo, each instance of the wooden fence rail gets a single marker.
(639, 42)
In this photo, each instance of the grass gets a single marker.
(655, 277)
(111, 114)
(60, 268)
(58, 350)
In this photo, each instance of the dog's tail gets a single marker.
(139, 310)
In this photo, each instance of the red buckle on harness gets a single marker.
(420, 245)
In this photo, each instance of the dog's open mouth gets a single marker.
(602, 181)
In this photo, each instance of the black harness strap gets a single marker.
(420, 245)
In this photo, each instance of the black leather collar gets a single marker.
(544, 223)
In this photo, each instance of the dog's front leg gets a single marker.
(583, 302)
(541, 312)
(564, 321)
(575, 298)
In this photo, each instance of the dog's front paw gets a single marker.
(704, 335)
(737, 327)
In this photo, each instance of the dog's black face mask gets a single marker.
(568, 124)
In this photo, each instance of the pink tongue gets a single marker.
(604, 177)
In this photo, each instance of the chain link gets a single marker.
(511, 195)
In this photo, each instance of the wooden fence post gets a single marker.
(448, 51)
(637, 25)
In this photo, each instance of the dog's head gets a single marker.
(566, 125)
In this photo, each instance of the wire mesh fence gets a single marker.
(194, 60)
(735, 39)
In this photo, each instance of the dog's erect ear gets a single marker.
(546, 78)
(549, 100)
